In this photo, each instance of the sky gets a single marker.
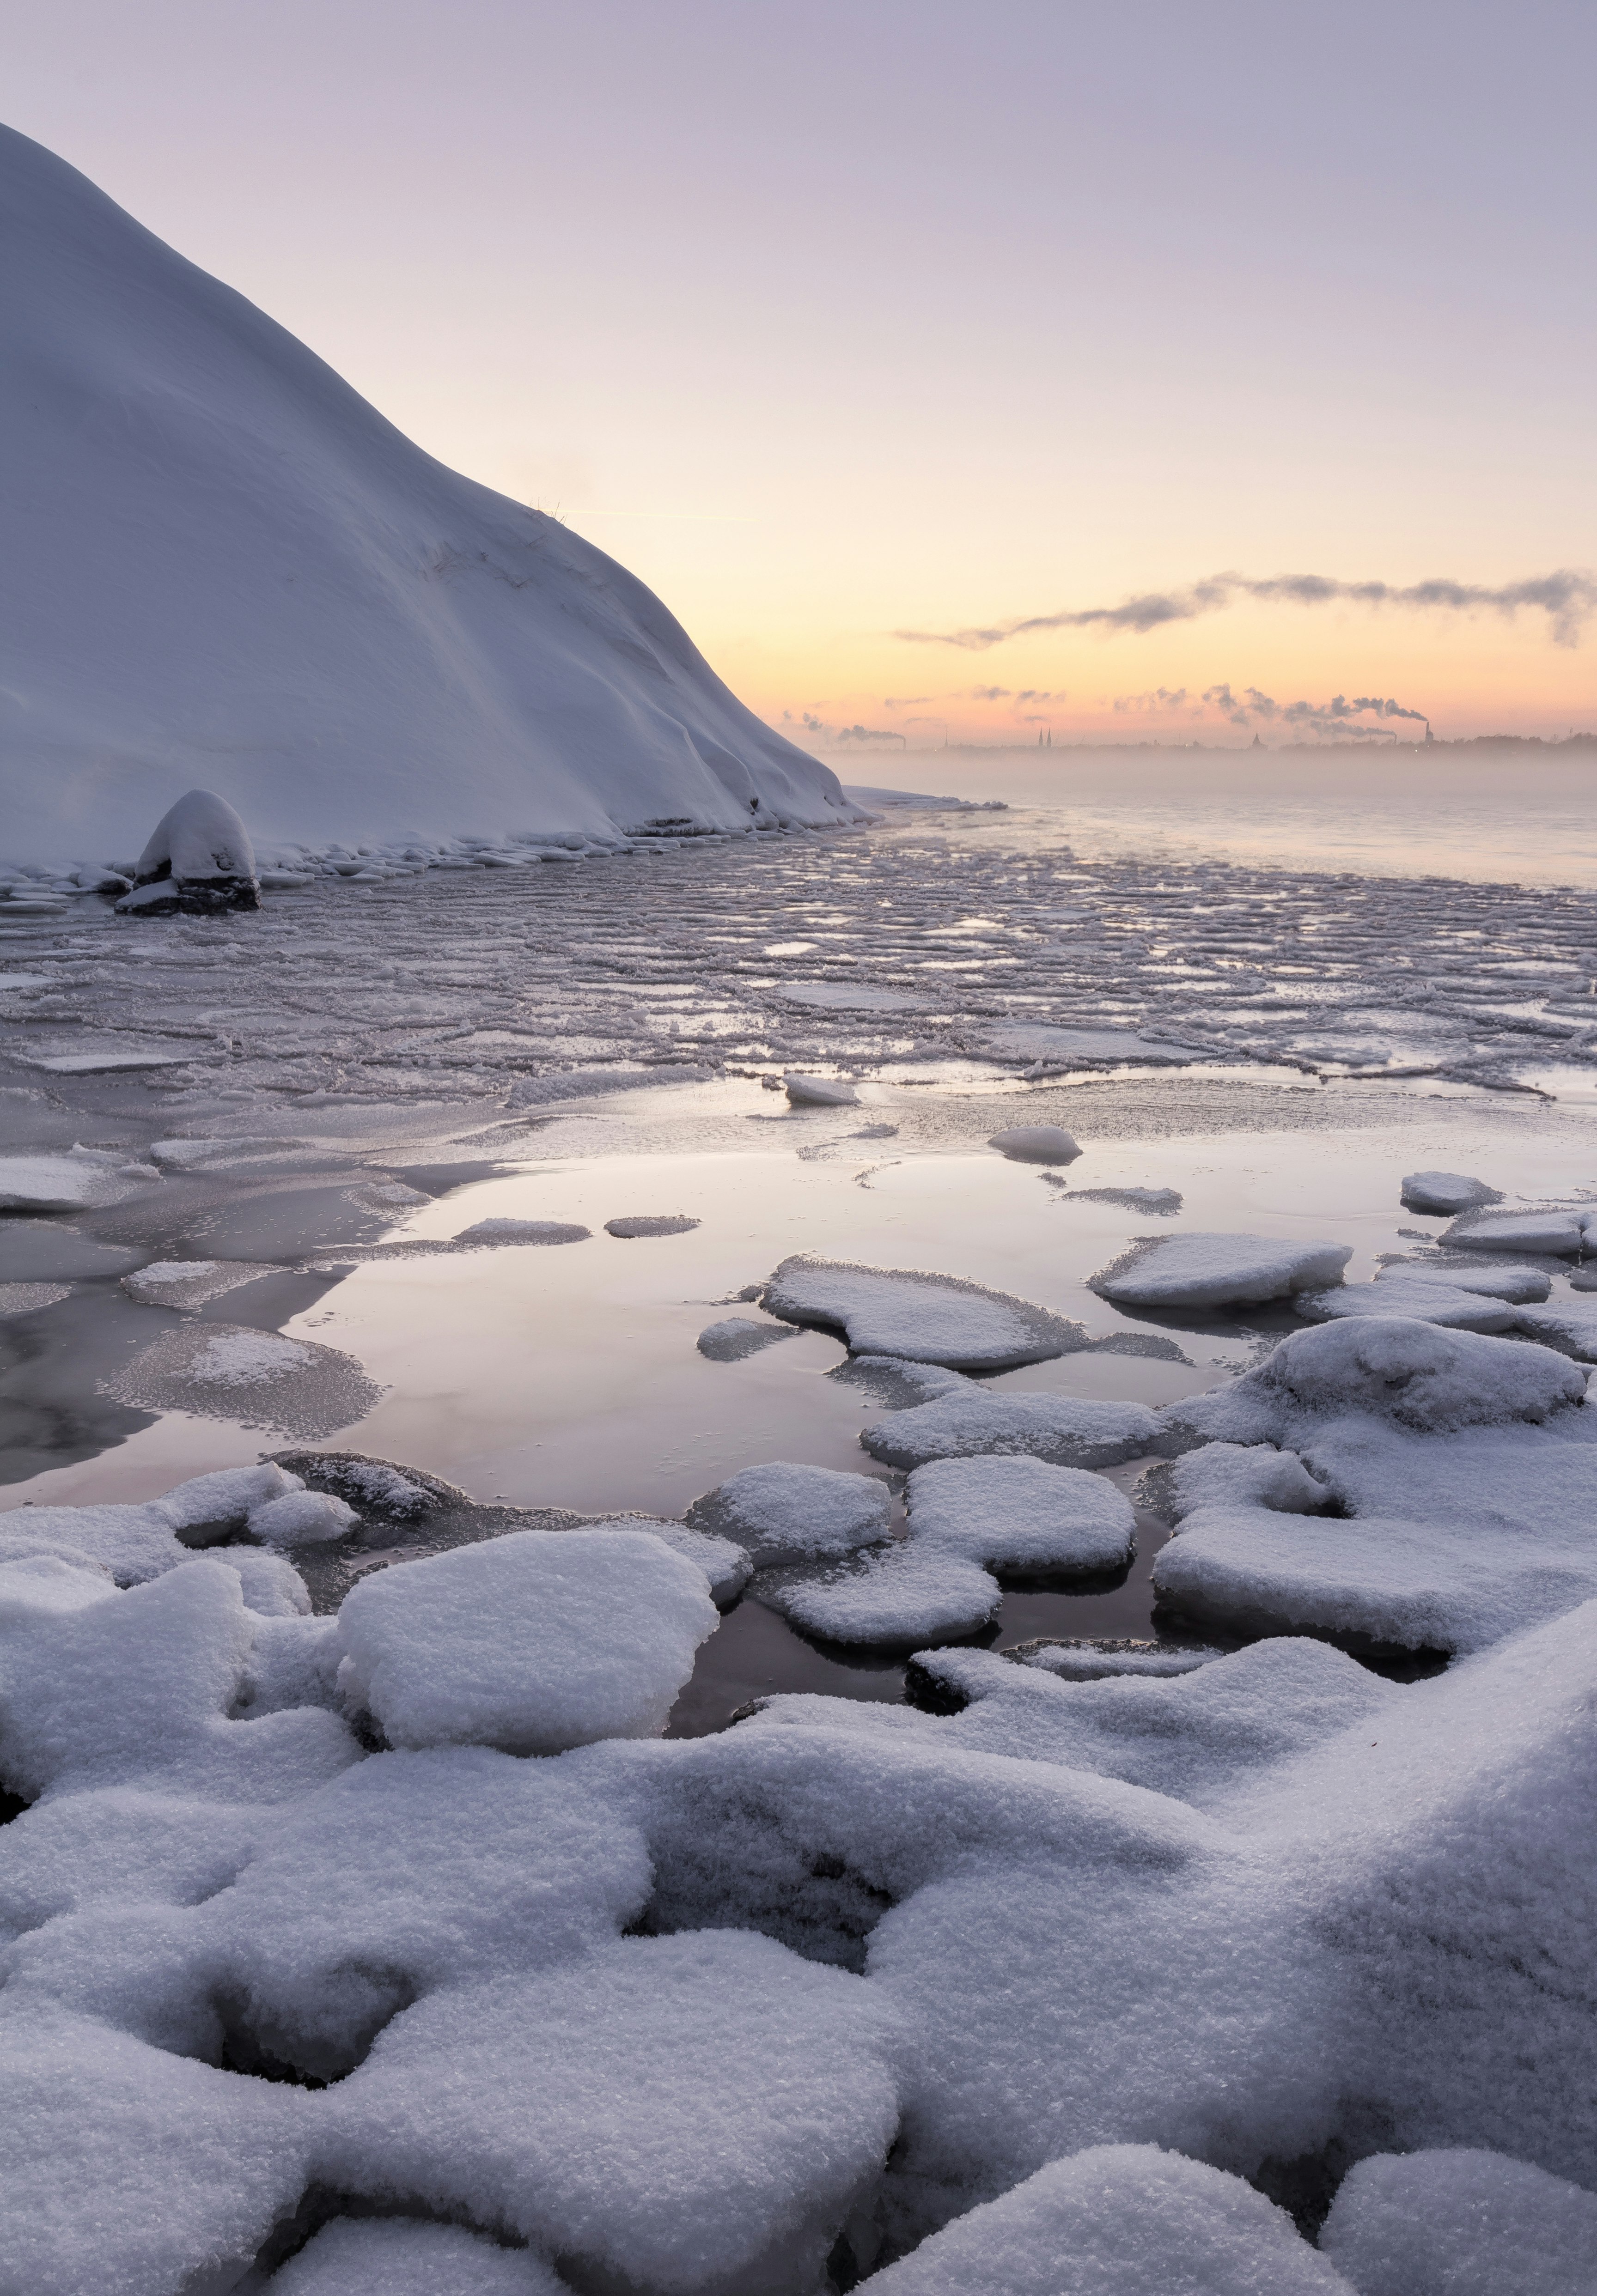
(955, 372)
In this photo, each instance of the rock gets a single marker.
(199, 863)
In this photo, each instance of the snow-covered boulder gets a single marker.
(1036, 1143)
(533, 1642)
(1445, 1193)
(199, 862)
(779, 1512)
(223, 565)
(1461, 2223)
(939, 1320)
(1119, 2221)
(1217, 1271)
(1067, 1431)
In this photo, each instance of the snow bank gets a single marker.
(533, 1642)
(1067, 1431)
(224, 566)
(929, 1318)
(1462, 2223)
(1217, 1271)
(1119, 2221)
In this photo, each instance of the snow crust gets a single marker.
(928, 1318)
(1217, 1271)
(534, 1641)
(255, 548)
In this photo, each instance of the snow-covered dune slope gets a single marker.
(222, 567)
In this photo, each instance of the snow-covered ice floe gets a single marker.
(1035, 1981)
(1446, 1193)
(85, 1179)
(1217, 1271)
(1387, 1481)
(940, 1319)
(1562, 1231)
(970, 1422)
(779, 1512)
(968, 1518)
(227, 1371)
(735, 1337)
(192, 1283)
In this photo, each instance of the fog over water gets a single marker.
(1509, 815)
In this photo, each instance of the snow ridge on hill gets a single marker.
(223, 567)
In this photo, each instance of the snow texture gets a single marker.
(968, 1518)
(534, 1641)
(135, 1543)
(227, 1370)
(25, 1299)
(928, 1319)
(303, 1519)
(725, 1563)
(275, 558)
(738, 1337)
(1067, 1430)
(1036, 1143)
(1462, 2223)
(1165, 1202)
(1445, 1193)
(1119, 2221)
(1217, 1271)
(779, 1512)
(82, 1180)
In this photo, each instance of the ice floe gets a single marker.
(1119, 2221)
(970, 1421)
(191, 1282)
(650, 1224)
(1217, 1271)
(82, 1180)
(489, 1233)
(1165, 1202)
(928, 1318)
(819, 1091)
(1558, 1231)
(1036, 1143)
(1445, 1193)
(534, 1641)
(736, 1337)
(1460, 2222)
(968, 1518)
(27, 1298)
(227, 1371)
(779, 1510)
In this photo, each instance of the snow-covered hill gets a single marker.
(222, 567)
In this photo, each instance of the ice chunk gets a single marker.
(736, 1337)
(1461, 2223)
(1445, 1193)
(820, 1092)
(1165, 1201)
(929, 1318)
(199, 860)
(1570, 1325)
(967, 1519)
(1067, 1431)
(303, 1519)
(569, 2121)
(1428, 1380)
(1560, 1231)
(1120, 2220)
(1394, 1293)
(191, 1282)
(227, 1370)
(79, 1181)
(27, 1298)
(407, 2256)
(1107, 1659)
(532, 1642)
(1036, 1143)
(725, 1563)
(896, 1380)
(1230, 1475)
(494, 1232)
(1499, 1283)
(1217, 1271)
(780, 1511)
(650, 1224)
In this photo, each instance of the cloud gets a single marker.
(904, 700)
(1159, 697)
(841, 733)
(989, 693)
(1034, 693)
(1567, 598)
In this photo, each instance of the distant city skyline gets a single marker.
(1150, 372)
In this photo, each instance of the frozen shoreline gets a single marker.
(191, 1893)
